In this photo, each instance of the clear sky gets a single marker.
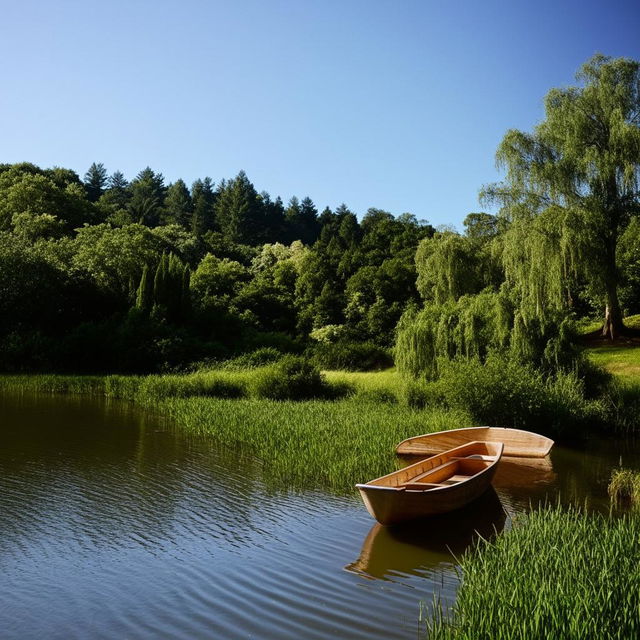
(395, 104)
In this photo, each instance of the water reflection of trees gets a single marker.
(85, 471)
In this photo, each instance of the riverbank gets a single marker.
(327, 444)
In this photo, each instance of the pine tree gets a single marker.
(178, 207)
(239, 211)
(203, 201)
(147, 197)
(94, 181)
(309, 226)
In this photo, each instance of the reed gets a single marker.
(52, 383)
(315, 444)
(328, 444)
(557, 574)
(624, 486)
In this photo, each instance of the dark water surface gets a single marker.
(113, 525)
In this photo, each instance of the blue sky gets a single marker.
(396, 104)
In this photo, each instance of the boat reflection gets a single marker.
(521, 473)
(415, 547)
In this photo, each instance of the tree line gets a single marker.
(106, 273)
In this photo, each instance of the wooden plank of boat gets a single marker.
(517, 443)
(438, 484)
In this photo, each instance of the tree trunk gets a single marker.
(613, 326)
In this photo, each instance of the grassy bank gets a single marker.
(330, 444)
(556, 574)
(622, 361)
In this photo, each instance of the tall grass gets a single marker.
(328, 444)
(624, 486)
(556, 574)
(322, 444)
(44, 383)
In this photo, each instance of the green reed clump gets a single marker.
(556, 574)
(322, 444)
(176, 386)
(50, 383)
(624, 486)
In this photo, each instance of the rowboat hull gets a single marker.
(517, 443)
(432, 486)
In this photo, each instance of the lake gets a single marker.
(114, 524)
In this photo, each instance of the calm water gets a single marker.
(112, 525)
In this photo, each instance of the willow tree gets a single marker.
(571, 189)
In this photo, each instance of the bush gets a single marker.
(292, 378)
(504, 392)
(258, 358)
(351, 356)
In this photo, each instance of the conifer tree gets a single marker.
(239, 211)
(95, 181)
(178, 207)
(203, 202)
(144, 297)
(147, 197)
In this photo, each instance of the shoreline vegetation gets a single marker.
(332, 443)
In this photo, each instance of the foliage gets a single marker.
(471, 327)
(555, 574)
(291, 378)
(504, 392)
(571, 190)
(351, 356)
(624, 486)
(257, 358)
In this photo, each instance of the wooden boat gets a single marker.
(438, 484)
(517, 443)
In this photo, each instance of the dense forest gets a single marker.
(102, 273)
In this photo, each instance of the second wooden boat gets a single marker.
(439, 484)
(517, 443)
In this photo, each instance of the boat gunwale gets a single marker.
(543, 452)
(491, 464)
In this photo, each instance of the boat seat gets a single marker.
(426, 473)
(476, 456)
(422, 486)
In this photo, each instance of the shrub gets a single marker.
(351, 356)
(292, 378)
(504, 392)
(258, 358)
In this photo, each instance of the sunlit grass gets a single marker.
(622, 361)
(313, 444)
(384, 385)
(556, 574)
(624, 486)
